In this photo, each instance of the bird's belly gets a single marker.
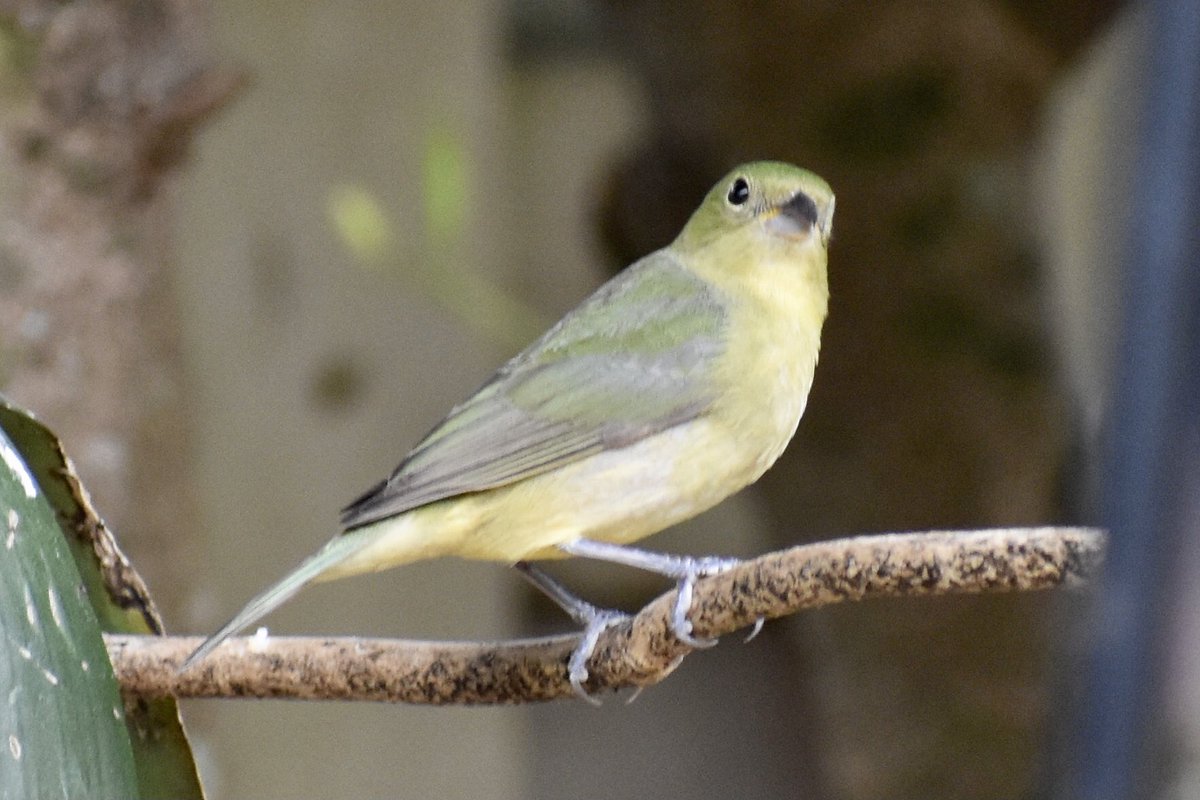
(621, 495)
(616, 496)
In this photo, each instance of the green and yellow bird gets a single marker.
(676, 384)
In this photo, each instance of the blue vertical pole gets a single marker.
(1151, 472)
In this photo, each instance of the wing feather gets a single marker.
(635, 359)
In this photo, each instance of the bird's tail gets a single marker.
(332, 554)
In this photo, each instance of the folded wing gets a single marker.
(635, 359)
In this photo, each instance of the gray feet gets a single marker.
(685, 570)
(594, 621)
(692, 569)
(577, 672)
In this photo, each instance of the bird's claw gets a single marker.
(681, 626)
(595, 625)
(696, 568)
(758, 626)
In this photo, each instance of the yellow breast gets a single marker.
(780, 305)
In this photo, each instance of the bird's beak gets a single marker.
(825, 221)
(796, 218)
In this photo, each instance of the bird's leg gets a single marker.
(685, 570)
(593, 619)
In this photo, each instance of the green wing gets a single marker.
(634, 359)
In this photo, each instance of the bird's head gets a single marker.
(768, 201)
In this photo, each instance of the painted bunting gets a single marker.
(674, 385)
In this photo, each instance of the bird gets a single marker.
(675, 384)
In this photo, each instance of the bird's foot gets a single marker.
(693, 569)
(686, 570)
(577, 672)
(594, 620)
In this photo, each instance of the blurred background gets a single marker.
(252, 251)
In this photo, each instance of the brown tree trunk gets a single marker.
(89, 329)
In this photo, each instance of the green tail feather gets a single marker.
(334, 552)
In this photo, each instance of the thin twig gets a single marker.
(637, 652)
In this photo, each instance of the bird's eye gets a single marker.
(740, 192)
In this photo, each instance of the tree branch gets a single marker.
(638, 652)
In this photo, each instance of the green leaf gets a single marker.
(62, 731)
(119, 602)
